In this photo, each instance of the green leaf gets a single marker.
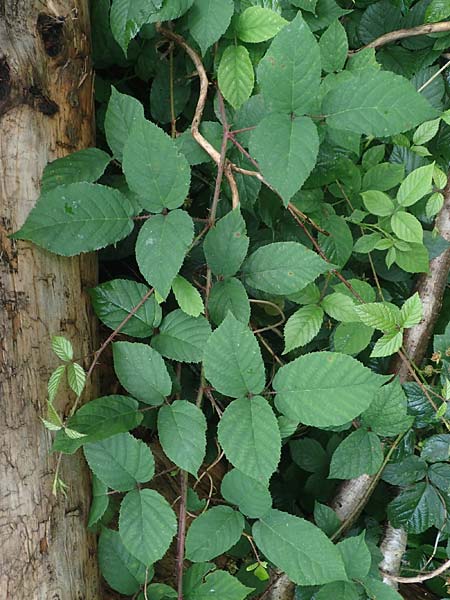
(426, 132)
(416, 509)
(120, 461)
(161, 246)
(411, 312)
(53, 421)
(147, 525)
(360, 453)
(375, 103)
(250, 437)
(291, 155)
(378, 203)
(326, 519)
(439, 475)
(235, 75)
(434, 204)
(76, 378)
(436, 448)
(251, 496)
(377, 590)
(351, 338)
(220, 584)
(409, 470)
(298, 548)
(309, 455)
(383, 177)
(99, 419)
(229, 296)
(76, 218)
(437, 10)
(182, 337)
(100, 501)
(302, 327)
(154, 168)
(388, 344)
(62, 347)
(415, 260)
(333, 46)
(128, 16)
(257, 24)
(114, 300)
(289, 73)
(213, 533)
(416, 185)
(283, 268)
(387, 415)
(232, 360)
(356, 556)
(325, 389)
(54, 381)
(338, 245)
(194, 576)
(142, 372)
(85, 165)
(226, 244)
(187, 296)
(159, 591)
(182, 433)
(339, 590)
(340, 307)
(122, 571)
(121, 115)
(172, 9)
(208, 20)
(381, 315)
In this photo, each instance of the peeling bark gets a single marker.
(46, 111)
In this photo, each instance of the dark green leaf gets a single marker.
(226, 244)
(182, 337)
(251, 496)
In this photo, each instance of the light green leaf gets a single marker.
(387, 415)
(383, 177)
(333, 46)
(416, 185)
(62, 347)
(154, 168)
(229, 295)
(289, 73)
(356, 556)
(381, 315)
(122, 571)
(54, 381)
(340, 307)
(367, 243)
(187, 296)
(257, 24)
(407, 227)
(283, 268)
(235, 75)
(76, 218)
(375, 103)
(298, 548)
(232, 360)
(182, 433)
(360, 453)
(128, 16)
(378, 203)
(251, 496)
(291, 155)
(161, 246)
(388, 344)
(416, 509)
(122, 113)
(53, 421)
(74, 435)
(114, 300)
(226, 244)
(85, 165)
(76, 378)
(249, 435)
(182, 337)
(351, 338)
(325, 389)
(220, 584)
(302, 327)
(213, 533)
(415, 260)
(208, 20)
(147, 525)
(437, 10)
(411, 312)
(426, 132)
(99, 419)
(434, 204)
(142, 372)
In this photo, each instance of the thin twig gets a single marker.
(181, 533)
(419, 578)
(400, 34)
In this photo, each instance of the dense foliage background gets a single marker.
(259, 275)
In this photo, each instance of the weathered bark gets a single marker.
(46, 111)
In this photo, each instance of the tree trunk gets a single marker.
(46, 111)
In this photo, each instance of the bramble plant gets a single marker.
(268, 198)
